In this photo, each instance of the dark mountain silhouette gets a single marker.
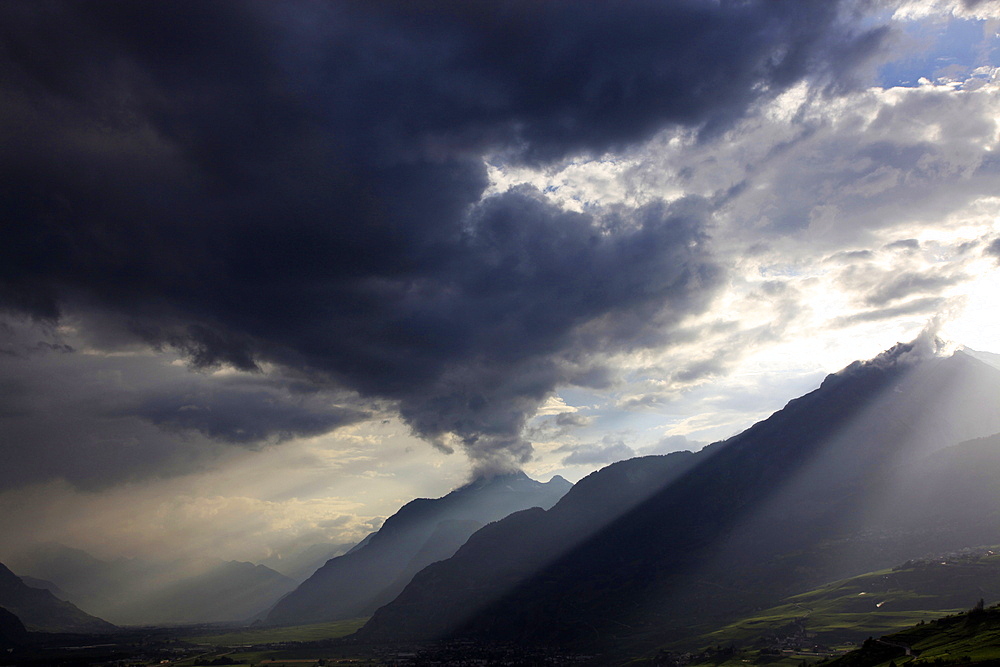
(41, 611)
(136, 591)
(421, 532)
(12, 632)
(823, 489)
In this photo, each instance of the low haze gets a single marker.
(271, 270)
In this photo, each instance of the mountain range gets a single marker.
(422, 532)
(861, 473)
(143, 592)
(40, 611)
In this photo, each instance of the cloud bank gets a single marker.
(296, 191)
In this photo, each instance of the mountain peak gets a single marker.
(922, 348)
(497, 479)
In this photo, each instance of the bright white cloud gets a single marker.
(848, 224)
(911, 10)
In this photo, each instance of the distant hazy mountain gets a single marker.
(45, 585)
(230, 591)
(79, 576)
(421, 532)
(139, 592)
(299, 565)
(841, 481)
(41, 611)
(990, 358)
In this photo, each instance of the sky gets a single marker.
(272, 269)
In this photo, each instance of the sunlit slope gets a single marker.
(839, 482)
(872, 604)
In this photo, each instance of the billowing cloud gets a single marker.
(671, 443)
(993, 249)
(862, 212)
(300, 187)
(969, 9)
(926, 307)
(242, 239)
(609, 450)
(907, 284)
(904, 244)
(572, 420)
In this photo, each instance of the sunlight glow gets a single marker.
(978, 326)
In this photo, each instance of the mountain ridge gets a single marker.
(676, 559)
(366, 577)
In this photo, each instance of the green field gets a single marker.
(295, 657)
(298, 633)
(297, 651)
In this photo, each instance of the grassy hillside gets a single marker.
(872, 604)
(972, 637)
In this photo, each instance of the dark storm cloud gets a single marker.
(300, 184)
(97, 420)
(245, 413)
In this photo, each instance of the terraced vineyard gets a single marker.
(871, 604)
(972, 637)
